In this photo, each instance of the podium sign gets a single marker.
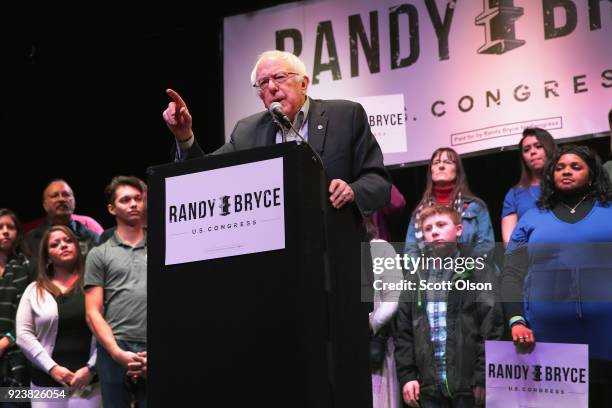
(219, 213)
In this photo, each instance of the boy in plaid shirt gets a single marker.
(442, 323)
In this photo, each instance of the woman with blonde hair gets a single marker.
(51, 327)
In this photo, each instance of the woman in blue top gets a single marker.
(535, 147)
(556, 282)
(447, 185)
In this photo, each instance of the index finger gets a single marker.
(176, 98)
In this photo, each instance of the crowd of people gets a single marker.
(553, 284)
(73, 307)
(436, 358)
(73, 296)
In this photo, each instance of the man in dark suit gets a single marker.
(338, 130)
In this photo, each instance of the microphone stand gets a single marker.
(284, 130)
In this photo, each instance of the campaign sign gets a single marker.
(387, 120)
(553, 375)
(472, 74)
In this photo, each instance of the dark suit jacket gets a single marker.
(338, 130)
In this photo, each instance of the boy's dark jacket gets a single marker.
(472, 317)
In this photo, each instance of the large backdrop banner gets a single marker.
(470, 74)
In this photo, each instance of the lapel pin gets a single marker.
(319, 127)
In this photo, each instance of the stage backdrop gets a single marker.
(470, 74)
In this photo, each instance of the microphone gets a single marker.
(276, 110)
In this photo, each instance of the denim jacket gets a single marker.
(477, 231)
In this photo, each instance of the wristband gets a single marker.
(10, 337)
(517, 319)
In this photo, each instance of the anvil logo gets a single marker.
(225, 205)
(498, 18)
(537, 373)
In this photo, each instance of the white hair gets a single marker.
(296, 64)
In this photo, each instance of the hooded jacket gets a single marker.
(472, 317)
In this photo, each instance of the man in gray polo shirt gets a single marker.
(116, 296)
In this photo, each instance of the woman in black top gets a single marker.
(51, 327)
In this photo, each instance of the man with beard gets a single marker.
(58, 202)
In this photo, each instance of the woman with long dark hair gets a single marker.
(51, 327)
(556, 282)
(535, 147)
(447, 185)
(14, 270)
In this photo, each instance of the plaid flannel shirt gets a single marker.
(436, 314)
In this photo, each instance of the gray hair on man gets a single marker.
(296, 64)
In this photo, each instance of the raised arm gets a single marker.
(177, 117)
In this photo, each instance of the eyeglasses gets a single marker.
(444, 162)
(279, 78)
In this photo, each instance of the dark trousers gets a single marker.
(118, 390)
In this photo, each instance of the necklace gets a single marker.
(573, 209)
